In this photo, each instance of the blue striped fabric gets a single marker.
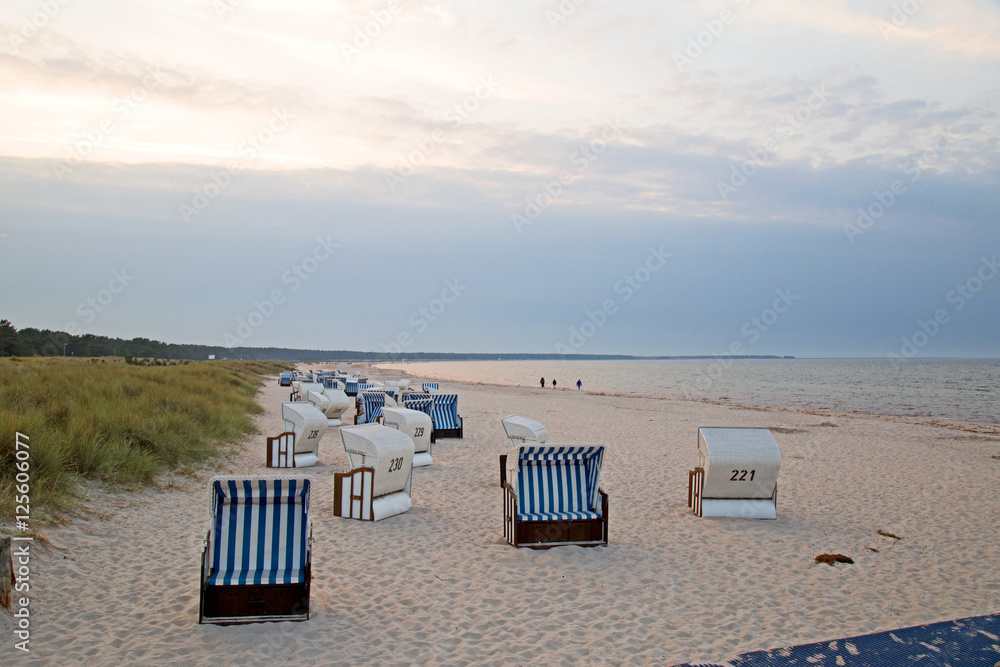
(445, 412)
(416, 402)
(558, 481)
(362, 386)
(351, 386)
(374, 402)
(429, 385)
(259, 531)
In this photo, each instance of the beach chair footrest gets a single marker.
(553, 533)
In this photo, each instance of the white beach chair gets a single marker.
(378, 486)
(415, 424)
(256, 560)
(737, 475)
(339, 404)
(298, 445)
(553, 496)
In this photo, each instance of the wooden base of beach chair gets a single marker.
(547, 534)
(230, 605)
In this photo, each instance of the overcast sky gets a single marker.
(761, 176)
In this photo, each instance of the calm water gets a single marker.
(966, 389)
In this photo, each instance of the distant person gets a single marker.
(543, 383)
(579, 385)
(553, 383)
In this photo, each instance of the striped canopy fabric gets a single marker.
(351, 386)
(365, 386)
(424, 403)
(556, 482)
(429, 385)
(445, 411)
(259, 530)
(374, 401)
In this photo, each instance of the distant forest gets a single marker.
(30, 342)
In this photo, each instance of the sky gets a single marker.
(687, 178)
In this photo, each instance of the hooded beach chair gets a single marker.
(370, 404)
(447, 422)
(520, 430)
(429, 386)
(378, 486)
(737, 475)
(298, 445)
(415, 424)
(552, 496)
(339, 404)
(256, 559)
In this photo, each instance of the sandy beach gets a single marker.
(439, 585)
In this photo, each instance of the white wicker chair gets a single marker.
(415, 424)
(737, 475)
(378, 486)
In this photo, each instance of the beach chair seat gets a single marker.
(378, 486)
(256, 559)
(298, 445)
(447, 421)
(520, 430)
(552, 496)
(417, 425)
(737, 475)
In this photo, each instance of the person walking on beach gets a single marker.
(543, 383)
(579, 385)
(553, 383)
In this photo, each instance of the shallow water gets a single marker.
(965, 389)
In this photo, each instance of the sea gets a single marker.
(960, 389)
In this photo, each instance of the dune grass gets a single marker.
(117, 423)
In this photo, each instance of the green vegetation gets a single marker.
(117, 423)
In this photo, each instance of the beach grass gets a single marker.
(116, 423)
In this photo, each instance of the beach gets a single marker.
(439, 584)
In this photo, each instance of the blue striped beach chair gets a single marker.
(351, 386)
(370, 407)
(256, 563)
(427, 386)
(552, 496)
(447, 422)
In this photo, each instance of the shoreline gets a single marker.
(984, 428)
